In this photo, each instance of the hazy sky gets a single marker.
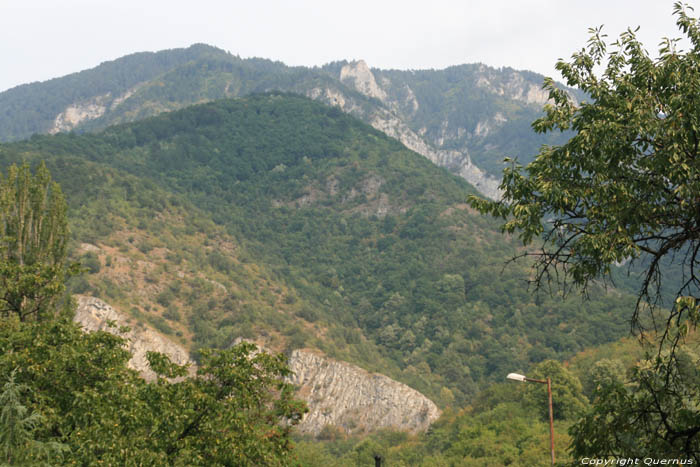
(43, 39)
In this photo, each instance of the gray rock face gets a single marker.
(338, 394)
(391, 118)
(95, 315)
(342, 395)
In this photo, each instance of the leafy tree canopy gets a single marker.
(626, 186)
(237, 410)
(652, 413)
(568, 401)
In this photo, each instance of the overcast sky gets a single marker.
(43, 39)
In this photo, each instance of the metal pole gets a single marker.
(551, 418)
(377, 460)
(548, 382)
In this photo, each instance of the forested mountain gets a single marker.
(277, 218)
(466, 118)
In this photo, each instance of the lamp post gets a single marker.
(548, 382)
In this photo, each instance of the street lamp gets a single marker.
(548, 382)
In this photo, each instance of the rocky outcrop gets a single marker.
(95, 315)
(345, 396)
(338, 394)
(80, 112)
(361, 78)
(389, 119)
(457, 161)
(75, 114)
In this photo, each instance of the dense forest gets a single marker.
(322, 232)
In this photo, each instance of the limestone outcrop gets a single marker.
(338, 393)
(343, 395)
(95, 315)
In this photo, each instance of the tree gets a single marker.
(568, 401)
(17, 443)
(652, 414)
(237, 410)
(624, 188)
(33, 239)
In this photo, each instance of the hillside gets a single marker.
(276, 218)
(466, 118)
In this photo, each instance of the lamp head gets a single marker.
(516, 377)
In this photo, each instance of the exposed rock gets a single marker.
(514, 86)
(91, 109)
(485, 127)
(77, 113)
(116, 102)
(457, 161)
(217, 284)
(89, 248)
(342, 395)
(95, 315)
(362, 79)
(329, 96)
(337, 393)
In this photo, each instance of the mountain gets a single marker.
(280, 219)
(466, 118)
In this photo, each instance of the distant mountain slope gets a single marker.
(278, 218)
(466, 118)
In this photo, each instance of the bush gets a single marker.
(91, 262)
(165, 298)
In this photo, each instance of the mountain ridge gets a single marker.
(466, 118)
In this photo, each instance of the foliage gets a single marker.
(17, 430)
(652, 413)
(33, 238)
(390, 269)
(236, 411)
(568, 401)
(625, 187)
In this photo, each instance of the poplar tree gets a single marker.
(33, 240)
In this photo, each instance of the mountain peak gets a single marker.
(359, 75)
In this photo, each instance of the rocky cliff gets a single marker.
(342, 395)
(338, 394)
(95, 315)
(393, 118)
